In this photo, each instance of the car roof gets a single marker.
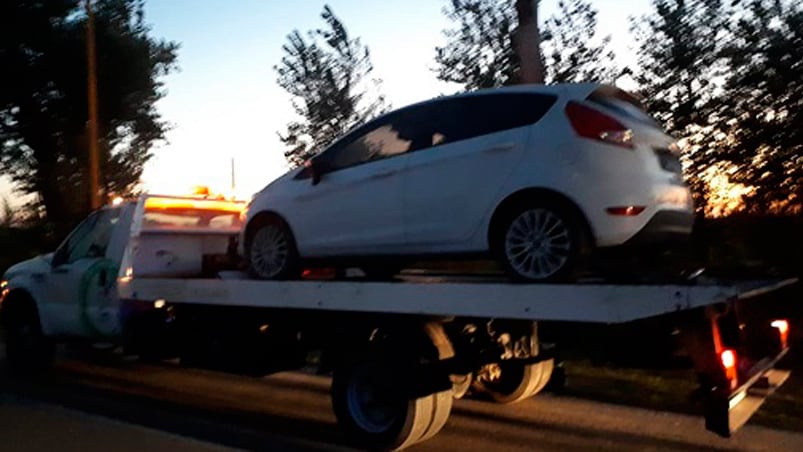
(573, 90)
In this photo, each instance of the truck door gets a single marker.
(82, 279)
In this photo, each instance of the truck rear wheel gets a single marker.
(512, 381)
(380, 402)
(516, 381)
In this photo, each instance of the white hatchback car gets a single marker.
(536, 176)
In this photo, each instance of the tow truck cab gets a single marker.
(74, 289)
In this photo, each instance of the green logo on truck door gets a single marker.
(97, 299)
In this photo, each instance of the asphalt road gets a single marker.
(133, 406)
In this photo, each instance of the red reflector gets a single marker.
(783, 330)
(590, 123)
(628, 211)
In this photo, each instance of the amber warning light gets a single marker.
(166, 203)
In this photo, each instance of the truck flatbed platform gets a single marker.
(451, 296)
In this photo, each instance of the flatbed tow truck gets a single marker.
(399, 352)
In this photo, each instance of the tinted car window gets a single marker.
(467, 117)
(391, 135)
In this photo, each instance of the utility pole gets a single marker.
(92, 101)
(233, 183)
(528, 42)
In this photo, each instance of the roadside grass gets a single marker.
(670, 390)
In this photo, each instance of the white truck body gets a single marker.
(131, 270)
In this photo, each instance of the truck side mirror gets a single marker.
(316, 171)
(59, 256)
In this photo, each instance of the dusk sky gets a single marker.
(224, 102)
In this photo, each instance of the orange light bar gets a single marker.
(783, 329)
(199, 204)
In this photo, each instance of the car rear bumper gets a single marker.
(665, 227)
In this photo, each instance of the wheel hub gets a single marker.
(537, 243)
(269, 251)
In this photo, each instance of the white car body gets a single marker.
(441, 199)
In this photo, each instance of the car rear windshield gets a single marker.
(623, 103)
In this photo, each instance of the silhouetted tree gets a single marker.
(763, 104)
(7, 218)
(728, 79)
(572, 50)
(327, 75)
(480, 53)
(679, 57)
(43, 98)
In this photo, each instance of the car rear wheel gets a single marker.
(542, 243)
(272, 251)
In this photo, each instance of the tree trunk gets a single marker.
(527, 40)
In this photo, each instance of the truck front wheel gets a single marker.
(28, 351)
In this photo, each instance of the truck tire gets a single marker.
(461, 384)
(369, 401)
(28, 351)
(517, 381)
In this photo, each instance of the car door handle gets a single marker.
(499, 148)
(61, 270)
(383, 175)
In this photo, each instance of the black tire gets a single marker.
(369, 401)
(517, 381)
(461, 384)
(271, 250)
(555, 249)
(28, 351)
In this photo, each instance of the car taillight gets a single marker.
(590, 123)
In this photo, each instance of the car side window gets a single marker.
(394, 134)
(466, 117)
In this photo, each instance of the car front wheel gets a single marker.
(272, 251)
